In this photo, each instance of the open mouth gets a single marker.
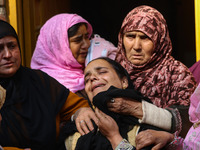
(97, 86)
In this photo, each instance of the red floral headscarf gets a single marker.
(163, 79)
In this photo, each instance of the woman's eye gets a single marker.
(86, 80)
(12, 46)
(87, 36)
(102, 72)
(1, 47)
(144, 37)
(78, 40)
(130, 36)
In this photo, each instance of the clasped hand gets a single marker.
(123, 106)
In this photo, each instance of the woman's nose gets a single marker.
(86, 43)
(7, 53)
(93, 77)
(137, 44)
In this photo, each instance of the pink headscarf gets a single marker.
(163, 79)
(53, 55)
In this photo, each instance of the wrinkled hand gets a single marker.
(151, 137)
(109, 128)
(126, 106)
(83, 118)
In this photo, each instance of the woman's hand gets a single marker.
(151, 137)
(126, 106)
(109, 128)
(83, 118)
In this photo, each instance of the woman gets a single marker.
(62, 47)
(105, 81)
(145, 52)
(35, 105)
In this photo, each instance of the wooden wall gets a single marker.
(32, 14)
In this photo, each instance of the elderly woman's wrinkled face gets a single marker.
(10, 58)
(79, 44)
(99, 76)
(138, 47)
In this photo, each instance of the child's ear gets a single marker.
(124, 82)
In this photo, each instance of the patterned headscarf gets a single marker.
(53, 54)
(163, 79)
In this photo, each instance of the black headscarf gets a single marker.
(7, 30)
(33, 99)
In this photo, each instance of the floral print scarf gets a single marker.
(163, 79)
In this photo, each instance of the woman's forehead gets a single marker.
(97, 64)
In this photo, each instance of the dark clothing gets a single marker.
(95, 140)
(33, 99)
(35, 107)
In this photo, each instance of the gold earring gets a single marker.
(124, 87)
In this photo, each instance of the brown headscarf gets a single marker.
(163, 79)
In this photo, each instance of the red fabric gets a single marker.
(163, 79)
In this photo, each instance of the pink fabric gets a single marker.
(100, 48)
(195, 69)
(53, 55)
(163, 79)
(192, 139)
(194, 110)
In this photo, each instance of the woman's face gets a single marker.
(10, 58)
(99, 76)
(79, 44)
(138, 47)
